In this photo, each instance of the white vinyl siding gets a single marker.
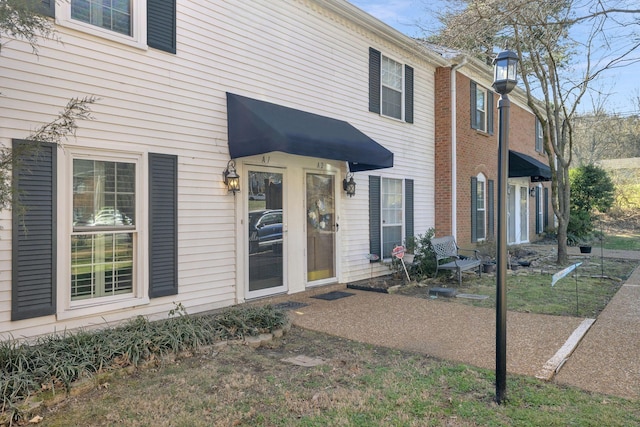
(150, 101)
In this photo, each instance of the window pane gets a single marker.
(391, 74)
(101, 265)
(103, 193)
(114, 15)
(391, 103)
(480, 109)
(391, 237)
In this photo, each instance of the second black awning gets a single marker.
(523, 165)
(258, 127)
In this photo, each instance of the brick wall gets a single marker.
(477, 152)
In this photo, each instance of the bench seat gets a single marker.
(448, 257)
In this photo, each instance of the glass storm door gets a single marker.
(511, 214)
(265, 234)
(321, 227)
(524, 214)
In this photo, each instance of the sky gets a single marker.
(408, 16)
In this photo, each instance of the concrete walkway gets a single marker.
(607, 359)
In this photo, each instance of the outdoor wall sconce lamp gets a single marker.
(231, 178)
(349, 186)
(532, 191)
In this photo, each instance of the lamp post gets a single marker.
(504, 80)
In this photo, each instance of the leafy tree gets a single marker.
(591, 188)
(592, 191)
(21, 20)
(558, 61)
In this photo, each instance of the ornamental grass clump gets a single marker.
(54, 362)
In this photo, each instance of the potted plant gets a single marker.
(410, 244)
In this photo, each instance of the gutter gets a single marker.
(454, 154)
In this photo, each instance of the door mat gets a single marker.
(329, 296)
(289, 305)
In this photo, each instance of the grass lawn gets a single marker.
(529, 290)
(622, 241)
(357, 385)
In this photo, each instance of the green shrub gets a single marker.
(55, 361)
(424, 263)
(592, 191)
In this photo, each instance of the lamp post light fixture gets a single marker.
(349, 186)
(231, 178)
(505, 79)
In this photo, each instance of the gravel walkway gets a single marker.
(607, 359)
(440, 329)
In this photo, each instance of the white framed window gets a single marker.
(539, 141)
(123, 21)
(481, 108)
(392, 214)
(103, 262)
(481, 207)
(391, 88)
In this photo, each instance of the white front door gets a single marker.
(517, 213)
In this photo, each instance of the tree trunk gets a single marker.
(562, 243)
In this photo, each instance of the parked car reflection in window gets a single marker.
(265, 230)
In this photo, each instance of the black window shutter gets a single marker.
(374, 80)
(545, 214)
(33, 290)
(490, 208)
(490, 108)
(474, 116)
(163, 225)
(161, 24)
(375, 243)
(474, 209)
(408, 209)
(49, 8)
(408, 94)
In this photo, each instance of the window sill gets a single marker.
(395, 119)
(483, 133)
(102, 33)
(97, 307)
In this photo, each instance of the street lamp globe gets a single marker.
(505, 72)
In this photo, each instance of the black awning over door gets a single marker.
(523, 165)
(258, 127)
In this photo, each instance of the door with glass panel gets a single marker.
(321, 226)
(266, 232)
(391, 206)
(524, 214)
(511, 214)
